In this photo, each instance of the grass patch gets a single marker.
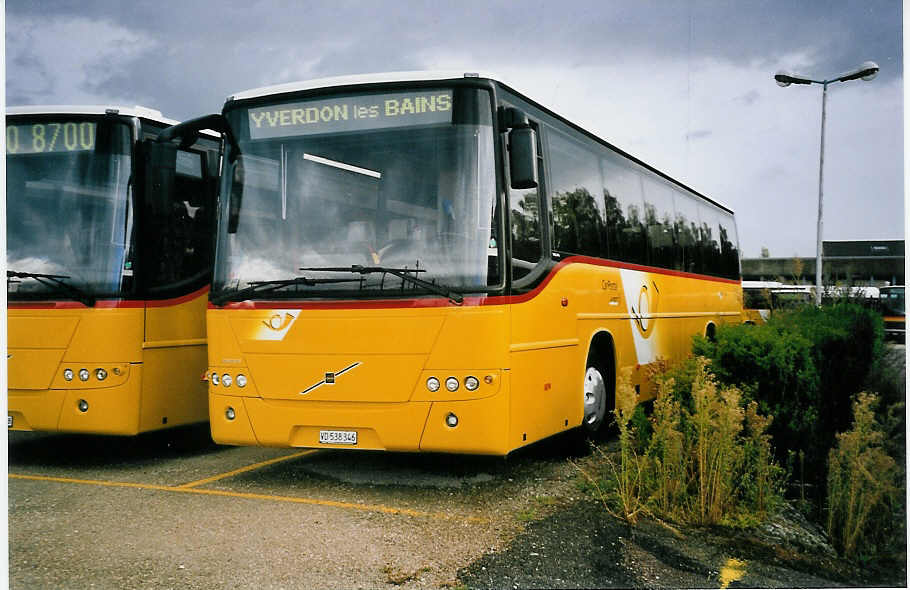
(703, 456)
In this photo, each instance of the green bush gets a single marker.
(776, 370)
(803, 367)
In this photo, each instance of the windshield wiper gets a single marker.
(267, 286)
(56, 283)
(401, 273)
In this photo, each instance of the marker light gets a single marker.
(83, 374)
(241, 380)
(433, 384)
(452, 384)
(215, 378)
(83, 405)
(68, 374)
(100, 374)
(471, 383)
(226, 380)
(229, 413)
(451, 420)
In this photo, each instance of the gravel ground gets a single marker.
(581, 546)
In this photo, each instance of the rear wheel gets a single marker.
(595, 397)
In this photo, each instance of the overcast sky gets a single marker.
(684, 85)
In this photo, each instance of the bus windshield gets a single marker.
(67, 203)
(391, 183)
(892, 300)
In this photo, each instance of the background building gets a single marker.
(845, 262)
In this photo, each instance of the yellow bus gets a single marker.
(108, 270)
(435, 262)
(893, 309)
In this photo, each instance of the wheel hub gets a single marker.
(595, 398)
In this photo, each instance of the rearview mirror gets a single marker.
(523, 157)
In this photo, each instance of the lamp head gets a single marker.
(870, 68)
(867, 71)
(785, 78)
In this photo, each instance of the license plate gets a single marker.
(9, 421)
(338, 437)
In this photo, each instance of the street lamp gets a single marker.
(867, 71)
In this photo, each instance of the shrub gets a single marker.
(801, 367)
(707, 465)
(861, 483)
(774, 369)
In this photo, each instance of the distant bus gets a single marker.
(893, 308)
(108, 270)
(761, 298)
(423, 262)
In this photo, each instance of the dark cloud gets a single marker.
(749, 98)
(839, 35)
(194, 54)
(699, 134)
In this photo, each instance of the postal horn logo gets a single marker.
(277, 325)
(330, 378)
(280, 323)
(648, 304)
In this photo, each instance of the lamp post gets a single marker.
(867, 71)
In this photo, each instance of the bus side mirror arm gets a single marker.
(522, 149)
(188, 131)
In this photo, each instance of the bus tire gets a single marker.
(597, 392)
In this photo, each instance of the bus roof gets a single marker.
(418, 76)
(134, 111)
(440, 75)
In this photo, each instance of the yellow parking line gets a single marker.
(251, 496)
(259, 465)
(733, 571)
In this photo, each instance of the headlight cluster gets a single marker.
(471, 383)
(84, 374)
(226, 380)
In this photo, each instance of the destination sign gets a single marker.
(352, 113)
(55, 136)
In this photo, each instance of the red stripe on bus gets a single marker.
(109, 303)
(469, 301)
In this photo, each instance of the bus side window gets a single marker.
(709, 240)
(686, 225)
(728, 250)
(577, 197)
(622, 197)
(659, 213)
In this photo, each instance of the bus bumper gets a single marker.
(98, 410)
(481, 428)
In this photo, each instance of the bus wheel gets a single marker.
(595, 398)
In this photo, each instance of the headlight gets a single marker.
(241, 380)
(100, 374)
(451, 420)
(68, 374)
(433, 384)
(215, 378)
(83, 374)
(226, 380)
(471, 383)
(452, 384)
